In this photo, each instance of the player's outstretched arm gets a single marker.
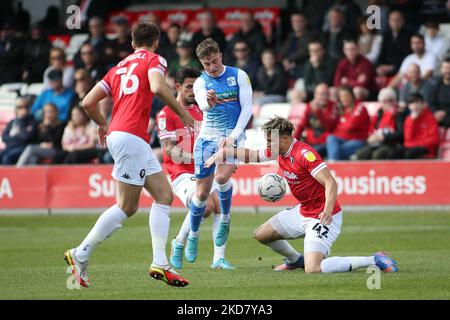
(242, 154)
(178, 155)
(159, 87)
(90, 105)
(327, 180)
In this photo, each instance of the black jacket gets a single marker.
(20, 132)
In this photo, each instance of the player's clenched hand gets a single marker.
(102, 131)
(228, 142)
(326, 217)
(211, 97)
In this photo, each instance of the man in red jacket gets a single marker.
(319, 120)
(355, 71)
(421, 132)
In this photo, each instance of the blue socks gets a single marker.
(196, 213)
(225, 194)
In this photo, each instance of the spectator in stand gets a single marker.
(426, 60)
(79, 139)
(369, 42)
(11, 54)
(351, 12)
(169, 50)
(244, 61)
(83, 84)
(121, 45)
(294, 52)
(395, 46)
(57, 94)
(19, 133)
(58, 62)
(50, 22)
(22, 18)
(356, 72)
(49, 136)
(271, 80)
(421, 132)
(250, 30)
(319, 68)
(415, 84)
(335, 35)
(151, 17)
(36, 54)
(350, 133)
(100, 43)
(434, 42)
(386, 129)
(318, 121)
(209, 29)
(91, 62)
(186, 58)
(440, 96)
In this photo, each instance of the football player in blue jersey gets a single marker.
(225, 96)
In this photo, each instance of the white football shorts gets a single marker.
(133, 158)
(184, 187)
(290, 224)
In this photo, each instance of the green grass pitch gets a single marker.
(32, 266)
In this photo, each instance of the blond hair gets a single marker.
(282, 125)
(206, 48)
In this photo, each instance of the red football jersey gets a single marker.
(300, 164)
(171, 127)
(129, 86)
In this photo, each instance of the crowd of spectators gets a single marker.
(331, 61)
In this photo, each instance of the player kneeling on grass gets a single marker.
(178, 145)
(317, 217)
(132, 85)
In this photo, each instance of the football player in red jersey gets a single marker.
(178, 145)
(132, 83)
(317, 217)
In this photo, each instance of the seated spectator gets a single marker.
(169, 50)
(294, 51)
(351, 11)
(244, 61)
(186, 58)
(440, 96)
(421, 132)
(121, 45)
(369, 42)
(83, 84)
(91, 62)
(386, 129)
(251, 31)
(434, 42)
(356, 72)
(426, 60)
(271, 80)
(319, 68)
(350, 133)
(415, 84)
(394, 47)
(58, 62)
(49, 136)
(209, 29)
(335, 35)
(57, 94)
(100, 43)
(11, 54)
(36, 53)
(79, 139)
(318, 121)
(18, 133)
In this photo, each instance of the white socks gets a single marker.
(184, 231)
(106, 224)
(285, 249)
(345, 264)
(219, 252)
(159, 228)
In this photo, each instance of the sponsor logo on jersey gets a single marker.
(308, 155)
(162, 124)
(290, 175)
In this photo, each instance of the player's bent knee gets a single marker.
(165, 198)
(312, 268)
(129, 209)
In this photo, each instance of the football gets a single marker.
(271, 187)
